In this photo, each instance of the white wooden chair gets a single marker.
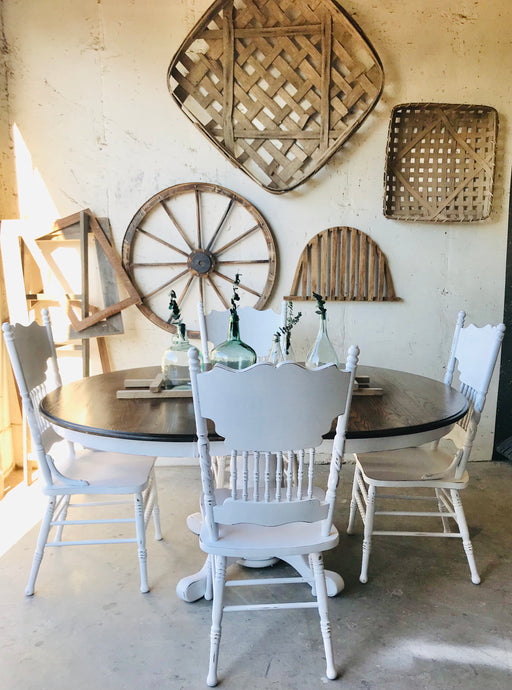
(440, 468)
(266, 414)
(257, 328)
(67, 473)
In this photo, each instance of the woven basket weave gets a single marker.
(277, 85)
(440, 162)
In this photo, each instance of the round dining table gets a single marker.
(396, 410)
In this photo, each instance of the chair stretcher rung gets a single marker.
(88, 542)
(267, 581)
(398, 497)
(271, 607)
(99, 503)
(416, 534)
(412, 513)
(91, 522)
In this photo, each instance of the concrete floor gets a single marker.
(417, 623)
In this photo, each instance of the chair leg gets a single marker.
(353, 501)
(141, 542)
(442, 509)
(219, 579)
(464, 531)
(368, 529)
(208, 594)
(63, 515)
(156, 507)
(317, 564)
(41, 543)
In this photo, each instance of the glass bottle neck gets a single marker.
(181, 333)
(234, 327)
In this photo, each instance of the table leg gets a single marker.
(196, 586)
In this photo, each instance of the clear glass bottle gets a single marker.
(175, 361)
(276, 353)
(233, 352)
(322, 351)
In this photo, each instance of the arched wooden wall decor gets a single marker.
(276, 85)
(343, 264)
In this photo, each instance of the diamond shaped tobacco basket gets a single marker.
(277, 85)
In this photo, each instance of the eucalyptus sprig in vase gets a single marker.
(322, 351)
(175, 370)
(282, 350)
(233, 352)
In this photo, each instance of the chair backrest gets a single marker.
(276, 416)
(33, 358)
(473, 355)
(256, 328)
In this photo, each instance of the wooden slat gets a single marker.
(228, 67)
(371, 272)
(325, 81)
(342, 264)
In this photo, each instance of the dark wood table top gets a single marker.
(410, 404)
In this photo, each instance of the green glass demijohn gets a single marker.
(233, 352)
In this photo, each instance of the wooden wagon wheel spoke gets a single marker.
(167, 264)
(218, 292)
(219, 226)
(164, 285)
(199, 214)
(242, 286)
(198, 219)
(181, 298)
(159, 239)
(238, 239)
(243, 261)
(177, 225)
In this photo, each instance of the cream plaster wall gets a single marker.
(86, 86)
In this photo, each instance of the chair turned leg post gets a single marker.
(321, 593)
(464, 531)
(41, 543)
(141, 542)
(353, 502)
(63, 516)
(442, 510)
(217, 610)
(368, 529)
(156, 507)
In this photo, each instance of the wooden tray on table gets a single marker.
(153, 388)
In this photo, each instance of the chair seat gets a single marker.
(254, 541)
(105, 472)
(411, 467)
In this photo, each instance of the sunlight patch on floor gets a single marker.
(20, 510)
(498, 656)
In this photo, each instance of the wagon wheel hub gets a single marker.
(201, 262)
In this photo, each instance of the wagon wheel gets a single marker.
(193, 238)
